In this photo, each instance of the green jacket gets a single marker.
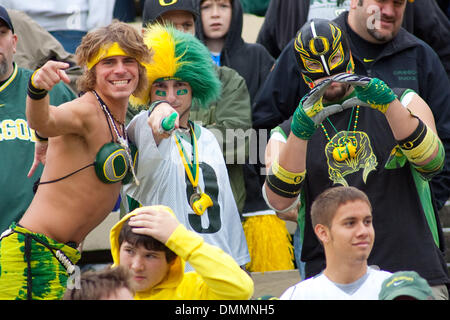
(256, 7)
(231, 111)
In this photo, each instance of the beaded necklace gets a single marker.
(343, 150)
(123, 140)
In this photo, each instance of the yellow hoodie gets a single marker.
(216, 277)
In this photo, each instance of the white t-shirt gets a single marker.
(321, 288)
(163, 181)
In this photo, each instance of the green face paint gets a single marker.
(160, 93)
(182, 92)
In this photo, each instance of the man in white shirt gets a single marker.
(183, 168)
(342, 221)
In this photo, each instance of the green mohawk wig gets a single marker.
(181, 56)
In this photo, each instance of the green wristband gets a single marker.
(302, 126)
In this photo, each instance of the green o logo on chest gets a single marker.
(111, 163)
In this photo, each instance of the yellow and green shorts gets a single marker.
(33, 266)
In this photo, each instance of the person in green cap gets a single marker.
(405, 285)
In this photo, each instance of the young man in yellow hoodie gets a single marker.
(151, 243)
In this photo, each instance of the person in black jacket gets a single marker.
(403, 62)
(444, 5)
(358, 131)
(252, 61)
(284, 17)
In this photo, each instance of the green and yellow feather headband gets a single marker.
(179, 55)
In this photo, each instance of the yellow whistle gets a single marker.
(342, 153)
(202, 204)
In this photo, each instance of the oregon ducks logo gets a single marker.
(165, 3)
(359, 158)
(320, 42)
(111, 164)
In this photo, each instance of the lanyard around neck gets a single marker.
(191, 168)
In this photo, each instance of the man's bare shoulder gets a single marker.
(85, 104)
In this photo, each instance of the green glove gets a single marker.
(310, 112)
(372, 91)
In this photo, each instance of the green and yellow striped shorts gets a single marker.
(29, 267)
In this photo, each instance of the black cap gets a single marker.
(5, 17)
(153, 9)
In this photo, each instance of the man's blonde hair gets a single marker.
(128, 39)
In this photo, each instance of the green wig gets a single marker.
(181, 56)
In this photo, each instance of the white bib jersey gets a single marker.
(321, 288)
(163, 181)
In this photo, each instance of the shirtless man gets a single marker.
(87, 159)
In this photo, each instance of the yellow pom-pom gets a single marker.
(269, 244)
